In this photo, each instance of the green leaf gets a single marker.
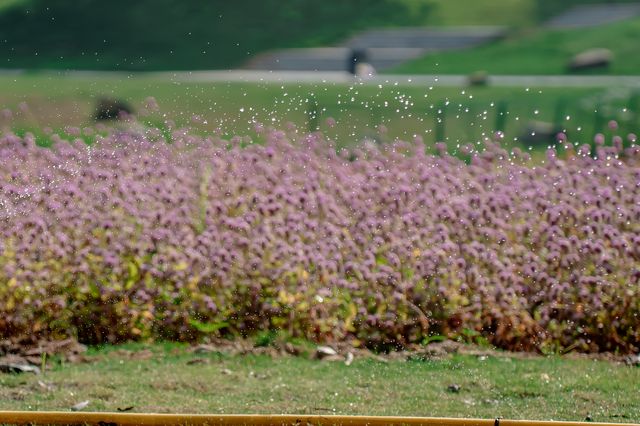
(434, 338)
(207, 327)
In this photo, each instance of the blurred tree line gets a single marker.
(194, 34)
(181, 34)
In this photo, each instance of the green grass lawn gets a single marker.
(406, 111)
(544, 52)
(509, 13)
(170, 381)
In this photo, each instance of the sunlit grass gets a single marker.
(537, 388)
(406, 111)
(510, 13)
(544, 52)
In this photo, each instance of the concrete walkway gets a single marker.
(341, 77)
(385, 48)
(411, 80)
(330, 59)
(594, 14)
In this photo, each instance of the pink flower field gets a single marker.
(381, 246)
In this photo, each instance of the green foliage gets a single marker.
(468, 335)
(43, 362)
(208, 327)
(433, 338)
(266, 338)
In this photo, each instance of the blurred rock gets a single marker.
(80, 406)
(17, 364)
(67, 348)
(204, 349)
(48, 387)
(590, 59)
(454, 388)
(633, 360)
(478, 78)
(365, 70)
(111, 109)
(292, 349)
(435, 350)
(338, 358)
(540, 133)
(32, 353)
(323, 352)
(142, 355)
(349, 359)
(258, 376)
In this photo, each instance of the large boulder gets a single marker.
(591, 59)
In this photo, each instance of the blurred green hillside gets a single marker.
(180, 34)
(149, 35)
(547, 8)
(540, 52)
(189, 34)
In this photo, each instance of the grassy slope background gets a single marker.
(547, 52)
(172, 34)
(58, 101)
